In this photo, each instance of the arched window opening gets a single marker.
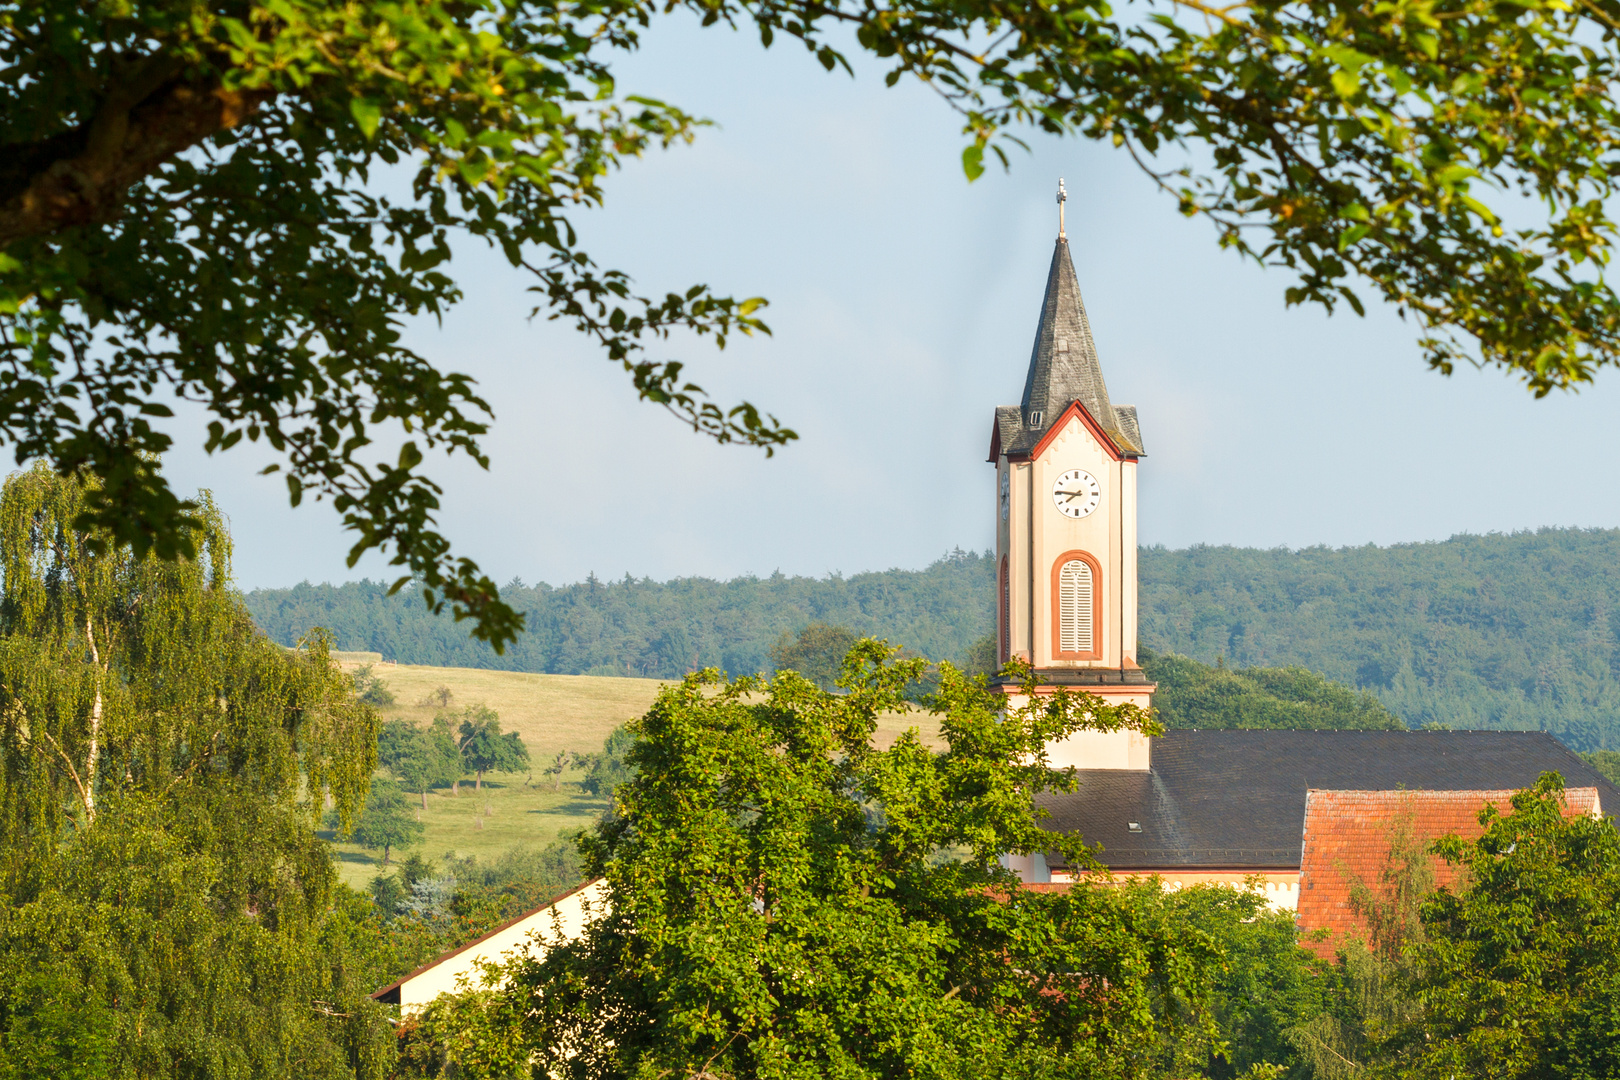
(1074, 607)
(1076, 629)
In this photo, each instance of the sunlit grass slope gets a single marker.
(552, 713)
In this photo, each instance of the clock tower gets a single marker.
(1065, 463)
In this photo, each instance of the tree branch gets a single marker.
(79, 177)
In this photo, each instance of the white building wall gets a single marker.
(563, 919)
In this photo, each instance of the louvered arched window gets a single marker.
(1075, 633)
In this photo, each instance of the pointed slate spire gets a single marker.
(1063, 366)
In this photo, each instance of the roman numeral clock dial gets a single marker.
(1076, 493)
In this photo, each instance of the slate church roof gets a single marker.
(1236, 799)
(1063, 368)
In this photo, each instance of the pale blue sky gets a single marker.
(904, 301)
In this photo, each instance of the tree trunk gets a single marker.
(386, 848)
(424, 798)
(94, 754)
(81, 176)
(478, 784)
(455, 787)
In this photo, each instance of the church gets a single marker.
(1191, 806)
(1294, 813)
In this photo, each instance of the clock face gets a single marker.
(1076, 493)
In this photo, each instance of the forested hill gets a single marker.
(1514, 631)
(631, 627)
(1503, 631)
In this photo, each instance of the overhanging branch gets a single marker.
(81, 176)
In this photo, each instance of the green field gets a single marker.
(553, 713)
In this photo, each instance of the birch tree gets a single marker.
(162, 767)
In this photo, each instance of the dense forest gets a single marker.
(1195, 695)
(1499, 631)
(648, 628)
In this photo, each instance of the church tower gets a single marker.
(1065, 463)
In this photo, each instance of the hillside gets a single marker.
(1501, 631)
(1194, 695)
(553, 713)
(649, 629)
(1515, 631)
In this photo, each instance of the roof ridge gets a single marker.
(485, 936)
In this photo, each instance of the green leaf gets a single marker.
(367, 113)
(973, 162)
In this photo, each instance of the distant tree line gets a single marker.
(1189, 694)
(1504, 631)
(1218, 698)
(645, 628)
(1499, 631)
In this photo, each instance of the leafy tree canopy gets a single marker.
(386, 822)
(166, 909)
(1506, 632)
(1606, 762)
(817, 652)
(983, 657)
(1194, 695)
(483, 747)
(186, 206)
(1520, 972)
(787, 900)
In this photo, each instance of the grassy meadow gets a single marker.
(552, 714)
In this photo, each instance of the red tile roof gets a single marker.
(1348, 835)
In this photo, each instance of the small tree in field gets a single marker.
(385, 823)
(370, 688)
(446, 748)
(485, 749)
(555, 769)
(404, 750)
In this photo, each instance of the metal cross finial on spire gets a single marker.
(1062, 197)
